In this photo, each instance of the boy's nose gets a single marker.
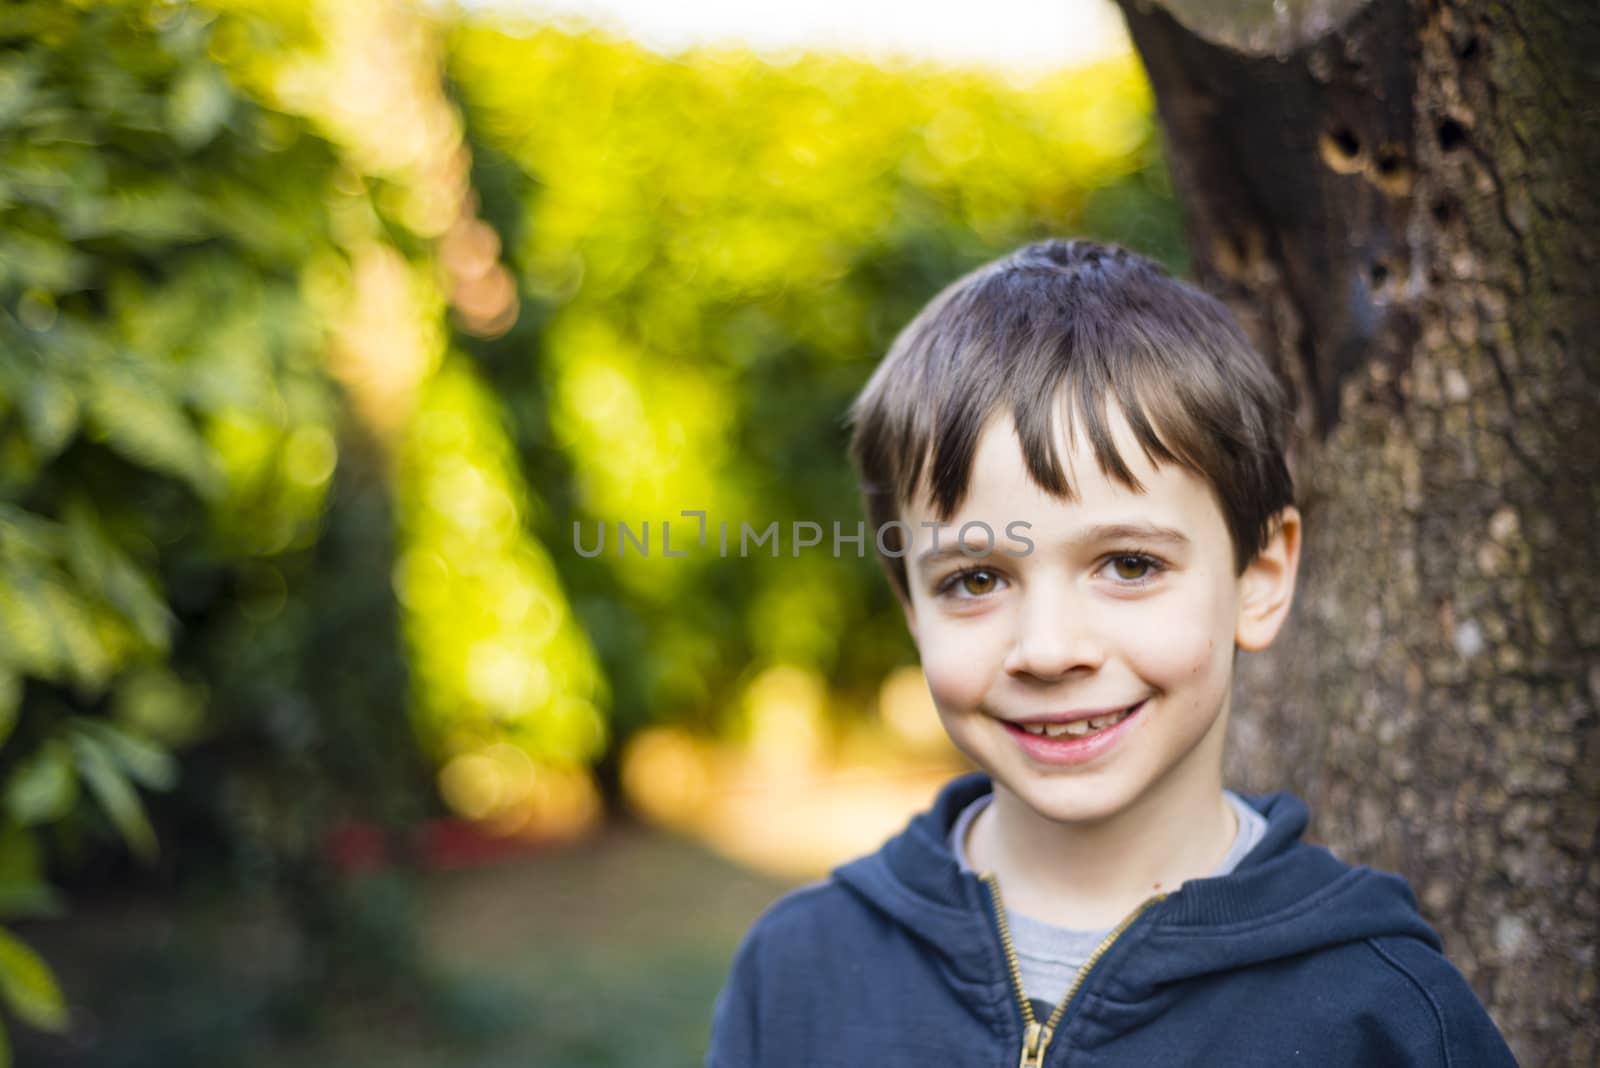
(1054, 637)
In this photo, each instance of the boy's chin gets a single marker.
(1079, 803)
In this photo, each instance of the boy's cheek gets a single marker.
(1172, 652)
(952, 678)
(958, 668)
(962, 661)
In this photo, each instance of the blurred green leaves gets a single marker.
(496, 651)
(152, 243)
(28, 988)
(718, 250)
(42, 787)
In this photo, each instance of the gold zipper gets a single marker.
(1036, 1036)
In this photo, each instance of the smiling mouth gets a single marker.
(1080, 728)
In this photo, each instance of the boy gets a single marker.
(1076, 465)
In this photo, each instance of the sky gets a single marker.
(1020, 37)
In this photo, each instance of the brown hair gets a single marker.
(1080, 321)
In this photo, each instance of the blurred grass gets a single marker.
(604, 953)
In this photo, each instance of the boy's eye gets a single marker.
(979, 582)
(1133, 567)
(974, 582)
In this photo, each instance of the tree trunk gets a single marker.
(1399, 200)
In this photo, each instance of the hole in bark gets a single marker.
(1468, 49)
(1232, 254)
(1391, 172)
(1341, 149)
(1452, 135)
(1443, 211)
(1378, 275)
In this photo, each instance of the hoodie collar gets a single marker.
(1286, 896)
(916, 882)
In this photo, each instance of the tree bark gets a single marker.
(1399, 200)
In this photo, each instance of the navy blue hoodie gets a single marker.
(1293, 958)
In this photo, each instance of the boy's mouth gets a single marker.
(1078, 728)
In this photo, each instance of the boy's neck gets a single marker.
(1091, 875)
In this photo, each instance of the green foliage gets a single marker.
(150, 318)
(157, 364)
(28, 988)
(714, 251)
(495, 650)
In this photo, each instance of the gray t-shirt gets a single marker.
(1048, 956)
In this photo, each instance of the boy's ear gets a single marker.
(1266, 588)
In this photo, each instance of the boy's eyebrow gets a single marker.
(1104, 532)
(1134, 532)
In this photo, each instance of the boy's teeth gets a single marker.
(1077, 728)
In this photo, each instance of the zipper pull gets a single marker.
(1035, 1040)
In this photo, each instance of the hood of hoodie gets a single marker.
(1285, 897)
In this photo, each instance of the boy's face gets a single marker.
(1125, 601)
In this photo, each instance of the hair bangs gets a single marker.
(1055, 335)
